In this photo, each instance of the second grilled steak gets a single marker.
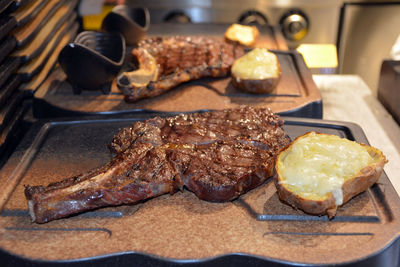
(165, 62)
(217, 155)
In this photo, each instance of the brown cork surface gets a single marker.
(181, 226)
(295, 90)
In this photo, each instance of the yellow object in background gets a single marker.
(319, 55)
(93, 22)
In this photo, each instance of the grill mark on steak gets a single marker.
(217, 155)
(179, 59)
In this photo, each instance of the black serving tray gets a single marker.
(7, 68)
(34, 22)
(7, 45)
(19, 13)
(41, 40)
(7, 112)
(34, 60)
(8, 88)
(6, 25)
(4, 4)
(17, 4)
(11, 131)
(296, 95)
(365, 231)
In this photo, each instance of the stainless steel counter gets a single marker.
(348, 98)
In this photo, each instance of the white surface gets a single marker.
(90, 7)
(348, 98)
(395, 52)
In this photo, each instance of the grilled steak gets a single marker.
(165, 62)
(217, 155)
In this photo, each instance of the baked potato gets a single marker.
(319, 172)
(256, 72)
(242, 34)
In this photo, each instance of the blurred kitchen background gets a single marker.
(350, 37)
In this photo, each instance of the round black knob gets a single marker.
(177, 16)
(253, 17)
(294, 25)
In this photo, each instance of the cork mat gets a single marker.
(180, 228)
(295, 91)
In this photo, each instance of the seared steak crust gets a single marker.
(179, 59)
(217, 155)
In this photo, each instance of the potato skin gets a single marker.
(352, 187)
(262, 86)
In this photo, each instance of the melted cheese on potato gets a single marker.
(318, 164)
(257, 64)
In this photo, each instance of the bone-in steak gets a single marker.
(217, 155)
(165, 62)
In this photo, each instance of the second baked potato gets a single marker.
(256, 72)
